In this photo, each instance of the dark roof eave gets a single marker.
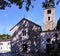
(28, 21)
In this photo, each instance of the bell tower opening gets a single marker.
(48, 11)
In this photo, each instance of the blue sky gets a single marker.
(11, 16)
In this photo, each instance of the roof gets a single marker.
(4, 40)
(28, 21)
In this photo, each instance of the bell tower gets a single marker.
(49, 16)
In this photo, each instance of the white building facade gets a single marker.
(5, 46)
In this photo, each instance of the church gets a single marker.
(28, 37)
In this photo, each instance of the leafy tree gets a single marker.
(58, 24)
(48, 3)
(4, 37)
(3, 4)
(19, 3)
(57, 2)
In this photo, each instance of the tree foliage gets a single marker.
(49, 3)
(4, 37)
(19, 3)
(57, 2)
(58, 24)
(3, 4)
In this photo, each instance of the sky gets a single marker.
(11, 16)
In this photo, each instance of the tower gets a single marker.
(49, 17)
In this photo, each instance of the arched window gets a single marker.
(24, 32)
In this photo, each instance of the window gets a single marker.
(24, 47)
(1, 47)
(24, 32)
(48, 18)
(49, 11)
(48, 29)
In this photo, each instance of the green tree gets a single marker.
(3, 4)
(58, 25)
(19, 3)
(4, 37)
(49, 3)
(57, 2)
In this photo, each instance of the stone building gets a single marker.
(49, 18)
(28, 37)
(49, 32)
(25, 36)
(45, 35)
